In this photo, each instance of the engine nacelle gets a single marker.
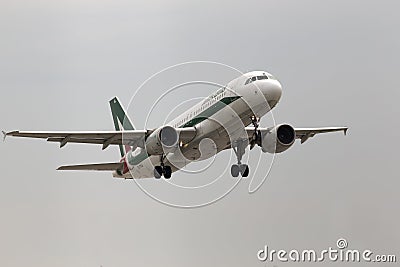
(162, 141)
(280, 138)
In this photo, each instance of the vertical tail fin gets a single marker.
(121, 121)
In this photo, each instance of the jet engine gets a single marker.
(278, 139)
(162, 141)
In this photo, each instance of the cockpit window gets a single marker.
(255, 78)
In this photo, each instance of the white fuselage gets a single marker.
(221, 117)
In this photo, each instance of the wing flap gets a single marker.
(93, 167)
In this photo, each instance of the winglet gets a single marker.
(345, 131)
(4, 135)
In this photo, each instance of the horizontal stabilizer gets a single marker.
(93, 167)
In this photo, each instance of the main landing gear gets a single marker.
(239, 148)
(162, 170)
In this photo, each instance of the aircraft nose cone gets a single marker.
(273, 92)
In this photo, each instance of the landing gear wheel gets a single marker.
(167, 172)
(244, 170)
(158, 171)
(235, 170)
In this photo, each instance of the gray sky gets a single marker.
(61, 61)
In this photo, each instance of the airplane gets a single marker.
(223, 118)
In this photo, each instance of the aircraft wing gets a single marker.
(301, 133)
(304, 133)
(105, 138)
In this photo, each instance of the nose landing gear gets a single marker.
(256, 135)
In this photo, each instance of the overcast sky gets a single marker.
(61, 61)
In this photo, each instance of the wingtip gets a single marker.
(62, 168)
(345, 130)
(4, 135)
